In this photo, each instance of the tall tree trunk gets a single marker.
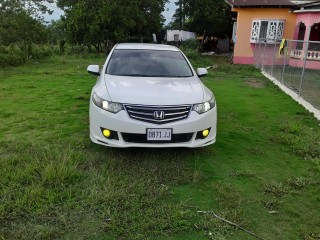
(180, 8)
(24, 48)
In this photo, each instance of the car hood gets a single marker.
(154, 90)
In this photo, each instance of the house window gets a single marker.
(267, 30)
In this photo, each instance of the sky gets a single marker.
(171, 9)
(57, 12)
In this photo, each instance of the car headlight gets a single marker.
(106, 105)
(204, 107)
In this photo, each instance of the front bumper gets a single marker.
(185, 130)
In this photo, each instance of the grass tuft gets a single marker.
(311, 236)
(271, 204)
(300, 182)
(242, 174)
(276, 189)
(304, 141)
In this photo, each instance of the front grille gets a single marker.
(158, 114)
(142, 138)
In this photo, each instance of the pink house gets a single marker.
(273, 20)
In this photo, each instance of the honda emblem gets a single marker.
(158, 115)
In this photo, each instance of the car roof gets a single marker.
(146, 46)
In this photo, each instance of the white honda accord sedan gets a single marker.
(148, 95)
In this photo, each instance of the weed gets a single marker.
(231, 115)
(292, 127)
(304, 141)
(311, 236)
(316, 161)
(215, 227)
(241, 174)
(255, 83)
(276, 189)
(300, 182)
(198, 177)
(286, 139)
(308, 146)
(272, 204)
(228, 197)
(255, 150)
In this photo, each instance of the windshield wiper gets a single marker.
(172, 76)
(136, 75)
(145, 75)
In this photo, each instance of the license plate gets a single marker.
(156, 134)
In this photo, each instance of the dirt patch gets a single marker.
(255, 83)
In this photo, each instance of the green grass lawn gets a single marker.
(262, 173)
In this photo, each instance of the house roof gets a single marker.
(312, 5)
(260, 3)
(305, 4)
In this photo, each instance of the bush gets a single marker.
(77, 49)
(191, 54)
(190, 48)
(41, 51)
(13, 56)
(11, 59)
(190, 44)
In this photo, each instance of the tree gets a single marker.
(95, 22)
(21, 29)
(57, 33)
(19, 24)
(65, 4)
(212, 16)
(147, 16)
(85, 22)
(32, 7)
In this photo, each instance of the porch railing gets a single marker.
(300, 54)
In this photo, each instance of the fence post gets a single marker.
(274, 57)
(264, 54)
(255, 55)
(258, 53)
(304, 67)
(284, 63)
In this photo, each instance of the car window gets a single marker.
(148, 63)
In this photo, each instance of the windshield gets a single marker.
(148, 63)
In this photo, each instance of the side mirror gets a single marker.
(94, 69)
(201, 72)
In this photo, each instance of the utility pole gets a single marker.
(182, 14)
(180, 9)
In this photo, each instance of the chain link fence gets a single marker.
(296, 64)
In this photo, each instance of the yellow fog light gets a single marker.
(205, 133)
(106, 133)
